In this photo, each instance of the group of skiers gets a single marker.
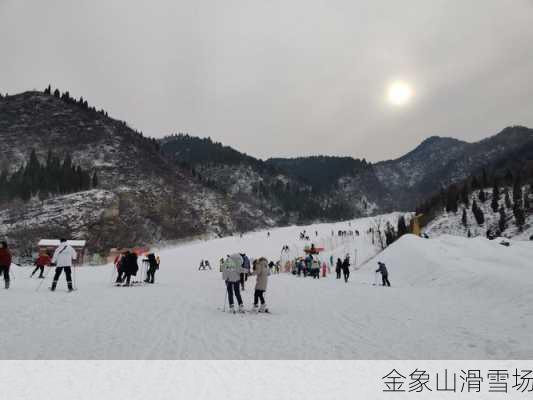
(235, 271)
(343, 266)
(127, 266)
(62, 259)
(204, 265)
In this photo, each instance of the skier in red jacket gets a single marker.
(42, 261)
(5, 262)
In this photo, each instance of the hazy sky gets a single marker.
(282, 77)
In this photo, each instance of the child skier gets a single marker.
(42, 261)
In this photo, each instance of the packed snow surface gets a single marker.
(451, 298)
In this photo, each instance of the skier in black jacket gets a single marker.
(346, 269)
(384, 273)
(153, 266)
(338, 268)
(129, 266)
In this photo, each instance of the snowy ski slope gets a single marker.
(451, 297)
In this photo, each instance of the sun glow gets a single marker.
(399, 93)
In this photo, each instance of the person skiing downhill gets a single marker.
(384, 273)
(231, 273)
(62, 258)
(42, 261)
(5, 262)
(261, 270)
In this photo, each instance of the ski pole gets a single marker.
(75, 281)
(225, 298)
(42, 280)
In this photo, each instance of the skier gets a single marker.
(42, 261)
(153, 266)
(129, 266)
(246, 269)
(384, 273)
(338, 268)
(202, 266)
(62, 258)
(346, 269)
(301, 267)
(315, 269)
(231, 273)
(207, 265)
(119, 260)
(261, 270)
(271, 266)
(5, 262)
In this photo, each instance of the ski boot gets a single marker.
(7, 284)
(255, 309)
(263, 309)
(232, 309)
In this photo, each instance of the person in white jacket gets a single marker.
(63, 258)
(231, 273)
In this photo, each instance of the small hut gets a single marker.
(50, 245)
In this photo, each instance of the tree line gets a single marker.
(508, 193)
(54, 176)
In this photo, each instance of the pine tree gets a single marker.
(502, 223)
(495, 197)
(465, 195)
(482, 196)
(526, 203)
(508, 178)
(95, 180)
(478, 213)
(519, 215)
(475, 183)
(48, 90)
(485, 180)
(56, 93)
(464, 218)
(517, 192)
(508, 203)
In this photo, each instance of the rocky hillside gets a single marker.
(143, 197)
(290, 196)
(181, 186)
(437, 162)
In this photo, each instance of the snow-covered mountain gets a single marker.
(142, 197)
(464, 223)
(182, 186)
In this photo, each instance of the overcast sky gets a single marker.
(282, 77)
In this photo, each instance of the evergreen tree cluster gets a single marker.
(82, 103)
(55, 176)
(65, 96)
(507, 186)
